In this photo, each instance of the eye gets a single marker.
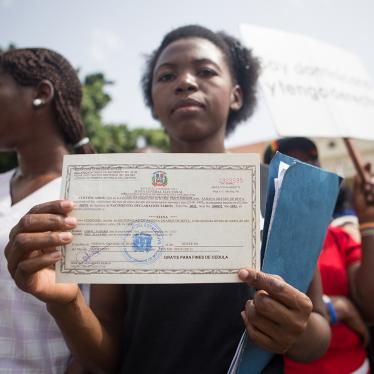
(166, 77)
(206, 72)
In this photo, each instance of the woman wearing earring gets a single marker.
(200, 85)
(40, 97)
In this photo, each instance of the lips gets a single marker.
(187, 104)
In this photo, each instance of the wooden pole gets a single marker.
(357, 160)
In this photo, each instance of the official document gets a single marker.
(161, 217)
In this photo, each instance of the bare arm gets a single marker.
(315, 340)
(94, 338)
(31, 254)
(361, 275)
(361, 278)
(348, 313)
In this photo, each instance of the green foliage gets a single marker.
(106, 138)
(8, 161)
(95, 99)
(112, 138)
(155, 137)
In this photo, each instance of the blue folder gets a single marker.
(292, 247)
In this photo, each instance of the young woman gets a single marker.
(199, 84)
(40, 96)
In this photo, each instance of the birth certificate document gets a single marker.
(161, 217)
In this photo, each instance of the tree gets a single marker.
(112, 138)
(155, 137)
(8, 161)
(106, 138)
(95, 99)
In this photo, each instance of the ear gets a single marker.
(44, 93)
(236, 98)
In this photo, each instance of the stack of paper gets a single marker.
(300, 202)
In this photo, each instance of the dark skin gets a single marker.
(32, 132)
(359, 306)
(361, 274)
(193, 93)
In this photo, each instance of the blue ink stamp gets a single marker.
(143, 242)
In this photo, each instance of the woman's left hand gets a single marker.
(278, 314)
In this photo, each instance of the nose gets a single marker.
(186, 82)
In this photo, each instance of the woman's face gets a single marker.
(193, 91)
(15, 104)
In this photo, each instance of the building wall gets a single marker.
(332, 153)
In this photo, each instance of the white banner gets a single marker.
(311, 88)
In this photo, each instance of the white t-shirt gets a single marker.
(30, 341)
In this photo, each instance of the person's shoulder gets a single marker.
(335, 230)
(335, 234)
(341, 237)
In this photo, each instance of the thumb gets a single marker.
(275, 286)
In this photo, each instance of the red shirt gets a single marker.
(346, 352)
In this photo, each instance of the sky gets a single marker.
(113, 36)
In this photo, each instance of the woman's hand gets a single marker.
(363, 198)
(278, 314)
(346, 312)
(31, 252)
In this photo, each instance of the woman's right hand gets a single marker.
(32, 254)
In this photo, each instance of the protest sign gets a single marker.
(311, 88)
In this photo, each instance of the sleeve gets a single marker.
(351, 249)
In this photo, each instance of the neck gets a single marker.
(44, 159)
(40, 158)
(209, 145)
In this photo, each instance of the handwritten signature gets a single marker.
(93, 251)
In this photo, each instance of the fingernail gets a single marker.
(243, 274)
(71, 221)
(67, 204)
(55, 255)
(65, 236)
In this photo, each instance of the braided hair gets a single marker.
(243, 65)
(31, 65)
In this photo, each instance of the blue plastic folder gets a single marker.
(292, 245)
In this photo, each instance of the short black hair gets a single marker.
(286, 145)
(243, 65)
(29, 66)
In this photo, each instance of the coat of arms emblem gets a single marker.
(142, 242)
(159, 179)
